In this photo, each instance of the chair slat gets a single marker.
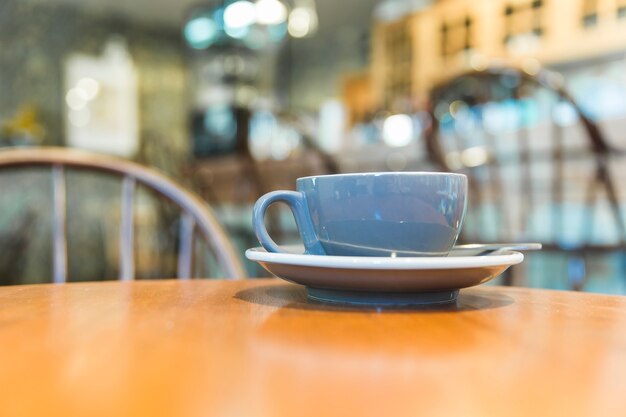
(527, 203)
(127, 254)
(613, 198)
(558, 182)
(494, 179)
(587, 225)
(59, 237)
(185, 251)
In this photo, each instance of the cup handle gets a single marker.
(297, 203)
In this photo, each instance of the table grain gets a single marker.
(259, 348)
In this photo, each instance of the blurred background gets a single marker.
(236, 98)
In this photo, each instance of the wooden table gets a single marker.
(258, 348)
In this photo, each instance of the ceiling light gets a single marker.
(398, 130)
(239, 14)
(270, 12)
(200, 32)
(302, 22)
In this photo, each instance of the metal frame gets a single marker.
(599, 151)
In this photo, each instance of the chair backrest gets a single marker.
(195, 212)
(243, 179)
(537, 164)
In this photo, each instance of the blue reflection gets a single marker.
(529, 114)
(218, 17)
(200, 32)
(237, 32)
(564, 114)
(220, 121)
(277, 32)
(257, 38)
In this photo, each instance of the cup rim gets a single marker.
(387, 173)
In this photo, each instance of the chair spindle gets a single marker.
(59, 238)
(127, 254)
(185, 252)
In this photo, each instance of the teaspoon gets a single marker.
(476, 249)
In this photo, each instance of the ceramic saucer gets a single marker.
(385, 281)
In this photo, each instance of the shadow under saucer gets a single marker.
(295, 297)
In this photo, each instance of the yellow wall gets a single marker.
(564, 39)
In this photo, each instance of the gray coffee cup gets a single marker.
(372, 214)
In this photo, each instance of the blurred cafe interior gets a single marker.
(235, 98)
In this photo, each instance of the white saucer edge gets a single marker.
(352, 262)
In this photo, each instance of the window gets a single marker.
(456, 37)
(399, 61)
(621, 9)
(523, 21)
(590, 13)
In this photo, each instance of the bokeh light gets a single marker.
(239, 14)
(80, 118)
(302, 22)
(398, 130)
(474, 156)
(270, 12)
(89, 87)
(200, 32)
(76, 99)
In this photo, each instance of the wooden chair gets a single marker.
(531, 178)
(245, 179)
(196, 215)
